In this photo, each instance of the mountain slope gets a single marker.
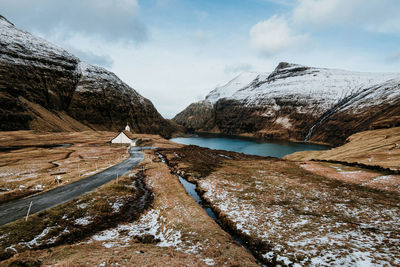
(298, 102)
(44, 87)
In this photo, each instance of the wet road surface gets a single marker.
(18, 209)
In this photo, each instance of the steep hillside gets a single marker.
(43, 87)
(300, 103)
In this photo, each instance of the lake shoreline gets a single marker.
(248, 145)
(248, 136)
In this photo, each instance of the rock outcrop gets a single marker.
(299, 103)
(44, 87)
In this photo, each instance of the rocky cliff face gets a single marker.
(299, 103)
(44, 87)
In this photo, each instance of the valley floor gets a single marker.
(290, 215)
(288, 212)
(29, 163)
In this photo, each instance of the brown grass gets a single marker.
(31, 169)
(291, 215)
(181, 213)
(199, 238)
(74, 220)
(377, 147)
(354, 175)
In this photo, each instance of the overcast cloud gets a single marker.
(373, 15)
(107, 19)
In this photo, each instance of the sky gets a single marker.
(174, 52)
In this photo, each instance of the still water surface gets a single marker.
(252, 147)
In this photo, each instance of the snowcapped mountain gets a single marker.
(232, 86)
(44, 87)
(297, 102)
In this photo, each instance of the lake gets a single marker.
(277, 149)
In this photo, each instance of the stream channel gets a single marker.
(191, 190)
(243, 145)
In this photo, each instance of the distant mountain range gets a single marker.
(298, 103)
(44, 87)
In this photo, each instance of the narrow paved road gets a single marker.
(15, 210)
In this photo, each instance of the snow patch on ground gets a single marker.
(348, 246)
(209, 261)
(38, 187)
(116, 206)
(83, 205)
(148, 224)
(38, 240)
(83, 221)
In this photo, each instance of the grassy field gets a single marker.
(292, 216)
(111, 226)
(292, 213)
(373, 148)
(26, 169)
(354, 175)
(73, 221)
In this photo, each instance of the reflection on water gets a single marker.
(247, 146)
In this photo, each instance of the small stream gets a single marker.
(191, 190)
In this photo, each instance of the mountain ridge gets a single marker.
(44, 87)
(294, 101)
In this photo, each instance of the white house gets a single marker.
(124, 137)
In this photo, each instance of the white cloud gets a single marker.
(371, 15)
(323, 11)
(274, 35)
(109, 20)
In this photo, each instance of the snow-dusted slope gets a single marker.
(232, 86)
(324, 86)
(295, 101)
(384, 93)
(42, 86)
(14, 41)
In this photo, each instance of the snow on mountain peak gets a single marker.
(286, 65)
(297, 82)
(28, 46)
(242, 80)
(4, 20)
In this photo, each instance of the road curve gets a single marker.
(17, 209)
